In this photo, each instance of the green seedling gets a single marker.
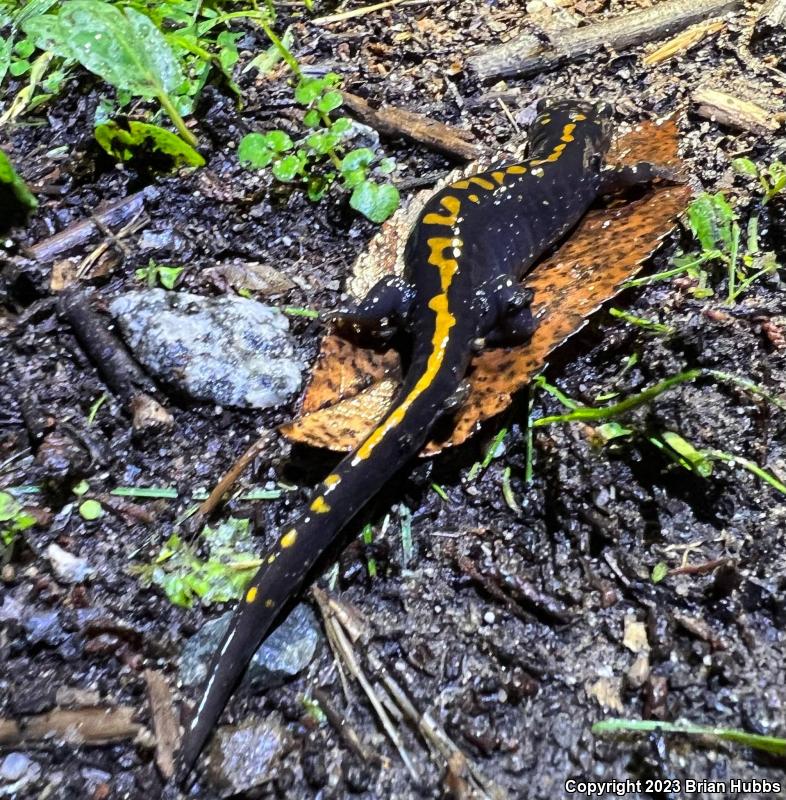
(659, 572)
(768, 744)
(154, 273)
(641, 322)
(14, 194)
(368, 538)
(494, 450)
(14, 521)
(91, 510)
(185, 576)
(772, 178)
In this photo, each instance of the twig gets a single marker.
(232, 474)
(355, 12)
(115, 214)
(78, 726)
(165, 723)
(699, 569)
(523, 55)
(340, 722)
(393, 121)
(341, 644)
(136, 224)
(684, 41)
(733, 111)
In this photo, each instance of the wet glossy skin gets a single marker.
(472, 243)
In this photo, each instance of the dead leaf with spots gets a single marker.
(609, 246)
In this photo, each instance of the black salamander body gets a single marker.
(471, 245)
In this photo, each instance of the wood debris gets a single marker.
(726, 109)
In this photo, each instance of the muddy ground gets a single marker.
(517, 692)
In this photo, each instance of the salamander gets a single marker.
(472, 243)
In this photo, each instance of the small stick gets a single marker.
(91, 726)
(684, 41)
(115, 214)
(725, 109)
(340, 722)
(355, 12)
(232, 474)
(394, 121)
(523, 55)
(699, 569)
(165, 722)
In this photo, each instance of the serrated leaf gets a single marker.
(253, 151)
(375, 201)
(125, 48)
(141, 138)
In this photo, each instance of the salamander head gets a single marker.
(562, 120)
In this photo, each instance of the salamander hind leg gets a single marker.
(382, 311)
(507, 318)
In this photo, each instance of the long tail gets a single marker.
(342, 494)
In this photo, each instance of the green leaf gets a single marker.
(745, 167)
(9, 508)
(91, 510)
(125, 48)
(169, 275)
(693, 459)
(308, 90)
(268, 59)
(322, 143)
(353, 177)
(386, 166)
(311, 118)
(227, 54)
(279, 141)
(5, 56)
(13, 190)
(81, 488)
(356, 159)
(142, 139)
(659, 572)
(18, 68)
(375, 201)
(710, 218)
(288, 167)
(330, 101)
(253, 151)
(612, 430)
(341, 125)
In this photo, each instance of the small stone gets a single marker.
(227, 350)
(245, 756)
(17, 771)
(285, 653)
(67, 567)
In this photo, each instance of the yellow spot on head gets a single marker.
(251, 594)
(499, 177)
(269, 603)
(516, 169)
(332, 480)
(320, 506)
(288, 539)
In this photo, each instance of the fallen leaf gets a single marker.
(609, 247)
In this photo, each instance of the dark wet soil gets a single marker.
(517, 692)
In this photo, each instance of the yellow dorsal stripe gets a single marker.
(288, 539)
(516, 169)
(320, 506)
(499, 177)
(567, 132)
(482, 182)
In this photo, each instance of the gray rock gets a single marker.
(44, 627)
(245, 756)
(228, 350)
(68, 568)
(286, 652)
(16, 772)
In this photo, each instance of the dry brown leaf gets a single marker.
(351, 388)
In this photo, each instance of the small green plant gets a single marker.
(768, 744)
(154, 273)
(184, 576)
(772, 178)
(14, 194)
(320, 158)
(127, 139)
(13, 521)
(717, 228)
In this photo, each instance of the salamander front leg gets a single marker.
(382, 311)
(620, 178)
(507, 317)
